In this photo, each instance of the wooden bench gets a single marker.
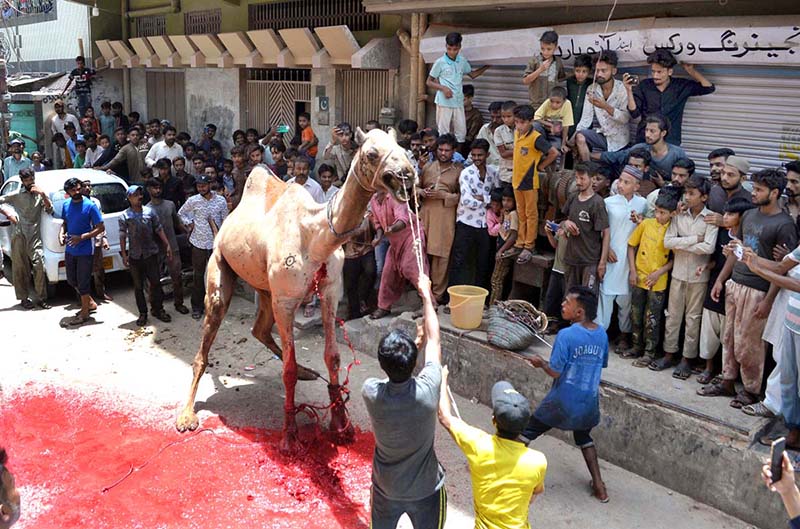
(535, 273)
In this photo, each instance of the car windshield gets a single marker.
(111, 196)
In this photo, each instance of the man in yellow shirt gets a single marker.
(506, 475)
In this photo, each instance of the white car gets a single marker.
(110, 190)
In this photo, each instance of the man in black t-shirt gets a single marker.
(82, 77)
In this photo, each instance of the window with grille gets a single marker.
(151, 26)
(279, 74)
(312, 13)
(209, 21)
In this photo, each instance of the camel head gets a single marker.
(382, 165)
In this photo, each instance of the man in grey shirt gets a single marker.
(168, 216)
(139, 227)
(406, 475)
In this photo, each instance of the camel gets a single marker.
(279, 240)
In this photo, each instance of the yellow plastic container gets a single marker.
(466, 305)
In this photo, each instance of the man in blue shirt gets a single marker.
(579, 355)
(82, 223)
(446, 77)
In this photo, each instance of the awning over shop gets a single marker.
(763, 41)
(287, 48)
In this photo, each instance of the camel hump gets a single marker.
(262, 185)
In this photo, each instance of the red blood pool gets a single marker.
(65, 447)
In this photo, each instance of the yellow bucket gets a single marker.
(466, 305)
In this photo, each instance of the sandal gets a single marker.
(643, 361)
(743, 399)
(513, 252)
(682, 372)
(378, 314)
(661, 364)
(631, 353)
(715, 390)
(524, 257)
(758, 410)
(717, 379)
(705, 377)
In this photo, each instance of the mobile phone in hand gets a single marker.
(553, 226)
(776, 458)
(634, 79)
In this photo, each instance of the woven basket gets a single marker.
(514, 324)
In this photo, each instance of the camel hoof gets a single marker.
(290, 443)
(187, 421)
(343, 436)
(304, 373)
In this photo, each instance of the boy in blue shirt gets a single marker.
(447, 77)
(579, 355)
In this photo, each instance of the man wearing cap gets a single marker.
(139, 226)
(62, 118)
(623, 209)
(16, 160)
(406, 475)
(167, 148)
(203, 215)
(27, 254)
(580, 352)
(506, 475)
(734, 172)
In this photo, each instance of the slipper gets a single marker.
(632, 353)
(601, 500)
(742, 399)
(378, 314)
(758, 410)
(682, 372)
(76, 321)
(643, 361)
(661, 364)
(705, 377)
(715, 390)
(513, 252)
(524, 257)
(717, 379)
(767, 441)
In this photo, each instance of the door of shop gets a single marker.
(277, 97)
(166, 97)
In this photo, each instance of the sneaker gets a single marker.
(181, 309)
(163, 316)
(142, 321)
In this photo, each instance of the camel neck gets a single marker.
(347, 210)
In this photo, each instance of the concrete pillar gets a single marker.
(325, 87)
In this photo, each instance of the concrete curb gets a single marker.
(707, 458)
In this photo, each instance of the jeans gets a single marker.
(466, 240)
(84, 101)
(647, 311)
(427, 513)
(359, 281)
(380, 258)
(200, 259)
(147, 269)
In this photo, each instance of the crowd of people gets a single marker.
(703, 273)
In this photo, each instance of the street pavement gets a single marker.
(152, 365)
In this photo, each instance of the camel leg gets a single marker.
(340, 425)
(219, 290)
(284, 316)
(262, 331)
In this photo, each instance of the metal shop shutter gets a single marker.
(499, 83)
(754, 111)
